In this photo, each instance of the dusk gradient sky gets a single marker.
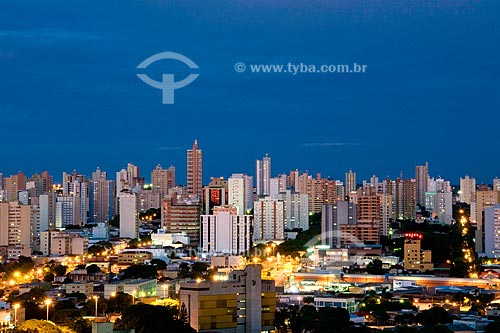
(70, 97)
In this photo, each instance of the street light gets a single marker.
(47, 302)
(96, 299)
(16, 306)
(164, 288)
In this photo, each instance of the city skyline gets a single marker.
(69, 83)
(181, 177)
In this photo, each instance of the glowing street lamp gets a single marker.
(164, 288)
(96, 298)
(16, 306)
(48, 301)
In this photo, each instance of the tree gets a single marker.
(332, 319)
(93, 269)
(39, 326)
(183, 314)
(140, 272)
(434, 316)
(49, 277)
(68, 281)
(59, 270)
(145, 318)
(184, 271)
(375, 267)
(119, 302)
(96, 250)
(23, 265)
(199, 270)
(159, 264)
(493, 327)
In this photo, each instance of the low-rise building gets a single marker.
(134, 257)
(136, 287)
(345, 303)
(86, 288)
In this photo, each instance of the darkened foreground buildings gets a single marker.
(244, 303)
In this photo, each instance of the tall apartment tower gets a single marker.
(181, 215)
(13, 184)
(492, 231)
(240, 194)
(133, 174)
(485, 197)
(496, 184)
(350, 182)
(332, 218)
(194, 170)
(263, 176)
(163, 179)
(15, 228)
(101, 197)
(467, 189)
(269, 220)
(129, 222)
(422, 178)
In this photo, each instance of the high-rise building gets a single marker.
(181, 215)
(147, 199)
(15, 228)
(226, 232)
(421, 178)
(350, 182)
(269, 219)
(404, 201)
(122, 181)
(134, 176)
(129, 221)
(35, 231)
(485, 197)
(65, 209)
(277, 185)
(194, 170)
(215, 194)
(467, 189)
(332, 217)
(13, 184)
(386, 213)
(240, 192)
(320, 191)
(492, 231)
(438, 200)
(101, 198)
(239, 302)
(263, 176)
(496, 184)
(296, 210)
(163, 179)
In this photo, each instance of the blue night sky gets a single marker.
(70, 97)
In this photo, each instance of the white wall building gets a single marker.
(226, 232)
(129, 222)
(263, 175)
(240, 192)
(467, 189)
(269, 220)
(492, 231)
(296, 210)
